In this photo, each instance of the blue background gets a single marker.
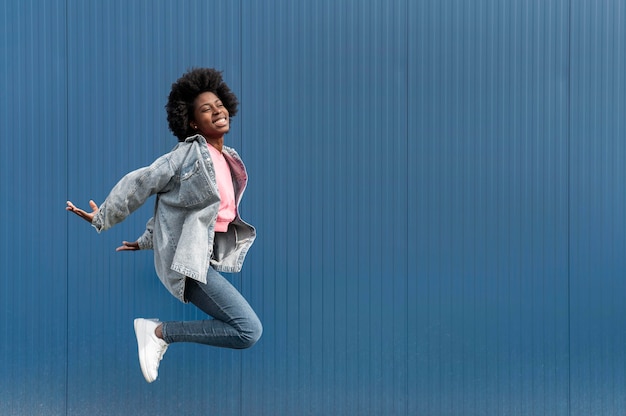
(438, 188)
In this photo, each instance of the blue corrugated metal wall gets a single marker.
(598, 207)
(33, 180)
(438, 188)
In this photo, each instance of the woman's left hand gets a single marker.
(126, 246)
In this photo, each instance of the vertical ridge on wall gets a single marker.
(598, 203)
(323, 172)
(488, 238)
(32, 147)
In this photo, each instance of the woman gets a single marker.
(196, 231)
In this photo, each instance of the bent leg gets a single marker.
(235, 324)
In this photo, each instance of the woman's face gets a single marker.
(210, 116)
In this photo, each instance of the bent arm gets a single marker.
(145, 241)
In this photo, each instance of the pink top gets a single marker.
(224, 179)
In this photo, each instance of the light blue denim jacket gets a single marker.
(181, 232)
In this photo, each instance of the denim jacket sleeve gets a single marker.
(131, 192)
(145, 241)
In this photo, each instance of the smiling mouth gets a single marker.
(221, 122)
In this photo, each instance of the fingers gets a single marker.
(126, 246)
(71, 207)
(83, 214)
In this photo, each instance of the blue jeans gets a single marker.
(234, 323)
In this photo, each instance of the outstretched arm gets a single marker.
(87, 216)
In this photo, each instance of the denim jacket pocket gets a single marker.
(195, 185)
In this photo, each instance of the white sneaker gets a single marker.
(151, 348)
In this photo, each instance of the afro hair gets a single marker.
(180, 103)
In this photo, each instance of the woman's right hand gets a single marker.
(87, 216)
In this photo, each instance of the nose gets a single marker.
(215, 109)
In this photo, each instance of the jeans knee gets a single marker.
(251, 334)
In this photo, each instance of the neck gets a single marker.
(217, 143)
